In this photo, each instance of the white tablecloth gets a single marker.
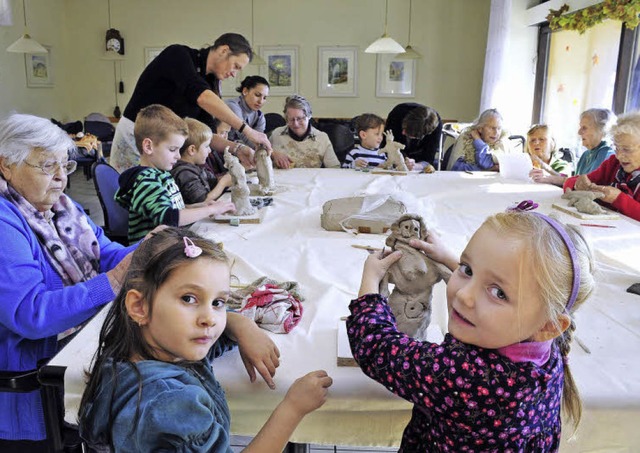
(289, 244)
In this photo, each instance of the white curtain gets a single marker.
(495, 56)
(6, 19)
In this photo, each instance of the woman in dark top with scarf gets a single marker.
(188, 82)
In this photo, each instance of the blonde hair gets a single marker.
(549, 256)
(157, 122)
(545, 128)
(199, 133)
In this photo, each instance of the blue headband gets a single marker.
(573, 254)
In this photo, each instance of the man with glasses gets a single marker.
(299, 144)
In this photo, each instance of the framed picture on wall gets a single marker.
(338, 71)
(281, 69)
(39, 69)
(395, 78)
(150, 53)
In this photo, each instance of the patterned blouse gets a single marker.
(466, 398)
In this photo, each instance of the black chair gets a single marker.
(116, 218)
(61, 437)
(273, 120)
(341, 138)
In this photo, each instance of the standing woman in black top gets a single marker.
(188, 82)
(418, 127)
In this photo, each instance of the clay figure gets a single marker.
(584, 201)
(393, 150)
(239, 187)
(413, 275)
(264, 167)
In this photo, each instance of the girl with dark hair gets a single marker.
(151, 387)
(254, 91)
(188, 82)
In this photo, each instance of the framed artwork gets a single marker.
(281, 69)
(150, 53)
(338, 71)
(395, 78)
(39, 69)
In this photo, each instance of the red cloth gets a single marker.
(605, 175)
(273, 308)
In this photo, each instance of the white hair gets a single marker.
(20, 134)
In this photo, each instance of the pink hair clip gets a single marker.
(526, 205)
(190, 249)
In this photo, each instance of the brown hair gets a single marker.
(199, 133)
(367, 121)
(157, 122)
(420, 121)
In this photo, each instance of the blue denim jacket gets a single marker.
(182, 407)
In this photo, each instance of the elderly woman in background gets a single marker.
(477, 146)
(298, 143)
(254, 91)
(595, 126)
(58, 268)
(547, 160)
(618, 177)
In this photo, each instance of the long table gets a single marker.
(289, 244)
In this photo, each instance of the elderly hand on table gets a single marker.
(281, 159)
(257, 350)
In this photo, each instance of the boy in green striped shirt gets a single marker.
(148, 190)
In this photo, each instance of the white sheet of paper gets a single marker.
(515, 166)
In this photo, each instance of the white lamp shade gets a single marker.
(384, 44)
(26, 44)
(409, 54)
(257, 60)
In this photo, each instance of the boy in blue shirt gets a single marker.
(369, 128)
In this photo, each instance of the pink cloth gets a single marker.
(273, 308)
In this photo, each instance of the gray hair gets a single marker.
(604, 119)
(295, 101)
(485, 116)
(20, 134)
(627, 124)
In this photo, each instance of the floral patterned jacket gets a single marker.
(466, 398)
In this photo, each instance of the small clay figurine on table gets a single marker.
(239, 187)
(264, 167)
(585, 201)
(393, 150)
(413, 275)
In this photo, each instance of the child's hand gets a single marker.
(308, 393)
(220, 207)
(225, 180)
(280, 159)
(375, 268)
(360, 163)
(435, 249)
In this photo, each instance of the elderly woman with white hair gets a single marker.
(298, 143)
(618, 177)
(595, 127)
(478, 146)
(58, 268)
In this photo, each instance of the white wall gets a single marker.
(451, 34)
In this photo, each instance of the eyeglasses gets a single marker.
(626, 149)
(298, 119)
(51, 167)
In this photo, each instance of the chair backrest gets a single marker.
(116, 218)
(341, 138)
(273, 120)
(104, 131)
(517, 142)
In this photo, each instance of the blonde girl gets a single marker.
(500, 377)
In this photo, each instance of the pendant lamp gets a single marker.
(385, 44)
(409, 52)
(257, 60)
(26, 44)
